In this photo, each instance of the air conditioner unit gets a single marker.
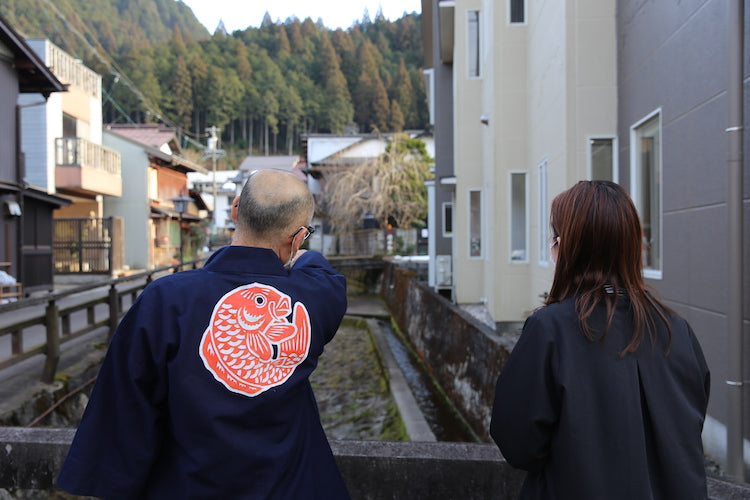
(443, 271)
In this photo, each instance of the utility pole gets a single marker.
(213, 152)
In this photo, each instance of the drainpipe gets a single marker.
(735, 435)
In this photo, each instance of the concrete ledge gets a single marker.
(31, 458)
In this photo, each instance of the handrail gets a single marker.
(57, 320)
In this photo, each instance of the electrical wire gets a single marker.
(114, 70)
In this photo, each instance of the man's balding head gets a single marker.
(272, 205)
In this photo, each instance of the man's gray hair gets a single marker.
(266, 208)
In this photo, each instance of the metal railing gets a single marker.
(56, 319)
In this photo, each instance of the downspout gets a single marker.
(735, 128)
(21, 184)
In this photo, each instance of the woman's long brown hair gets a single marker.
(600, 246)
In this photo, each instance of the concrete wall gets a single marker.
(30, 459)
(464, 355)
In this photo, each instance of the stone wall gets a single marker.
(464, 355)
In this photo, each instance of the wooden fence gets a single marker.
(57, 320)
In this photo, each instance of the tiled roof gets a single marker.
(263, 162)
(150, 135)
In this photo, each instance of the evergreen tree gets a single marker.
(396, 118)
(182, 95)
(403, 93)
(339, 110)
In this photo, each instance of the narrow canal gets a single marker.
(442, 418)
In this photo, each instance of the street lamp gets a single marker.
(180, 204)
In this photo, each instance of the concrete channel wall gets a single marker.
(462, 353)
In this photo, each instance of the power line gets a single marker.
(114, 70)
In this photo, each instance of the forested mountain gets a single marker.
(262, 86)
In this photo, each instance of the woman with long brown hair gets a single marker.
(605, 393)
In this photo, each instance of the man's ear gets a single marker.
(235, 204)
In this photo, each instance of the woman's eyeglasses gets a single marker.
(310, 231)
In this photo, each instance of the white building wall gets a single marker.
(133, 206)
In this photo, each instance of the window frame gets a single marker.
(477, 42)
(615, 165)
(635, 192)
(480, 224)
(544, 255)
(447, 205)
(511, 213)
(510, 13)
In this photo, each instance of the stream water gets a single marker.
(438, 413)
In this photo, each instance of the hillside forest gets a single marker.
(262, 87)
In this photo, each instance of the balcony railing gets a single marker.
(71, 70)
(78, 152)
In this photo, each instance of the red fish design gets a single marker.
(250, 345)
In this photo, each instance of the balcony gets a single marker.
(85, 168)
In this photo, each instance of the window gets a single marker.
(473, 45)
(475, 223)
(153, 184)
(517, 11)
(518, 214)
(429, 90)
(69, 123)
(602, 159)
(645, 188)
(543, 214)
(448, 219)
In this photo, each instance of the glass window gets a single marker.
(153, 184)
(518, 239)
(448, 219)
(70, 128)
(473, 44)
(601, 156)
(475, 223)
(543, 215)
(646, 189)
(517, 11)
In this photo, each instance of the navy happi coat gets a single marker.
(204, 392)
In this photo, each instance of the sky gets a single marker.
(239, 14)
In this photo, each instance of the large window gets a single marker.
(517, 11)
(645, 188)
(473, 44)
(602, 159)
(518, 217)
(543, 214)
(475, 223)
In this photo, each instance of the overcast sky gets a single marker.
(239, 14)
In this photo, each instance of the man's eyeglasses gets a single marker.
(310, 231)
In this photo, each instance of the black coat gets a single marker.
(587, 423)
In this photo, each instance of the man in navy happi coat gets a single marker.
(204, 392)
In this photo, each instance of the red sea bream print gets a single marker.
(250, 345)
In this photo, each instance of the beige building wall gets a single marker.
(469, 273)
(547, 87)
